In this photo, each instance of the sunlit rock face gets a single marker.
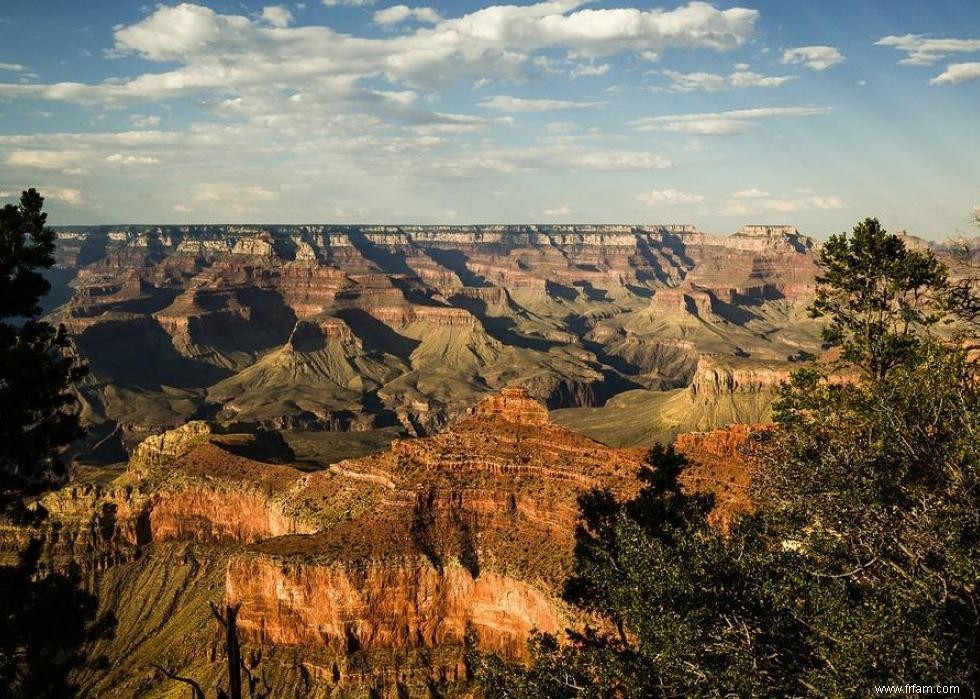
(418, 322)
(388, 605)
(374, 571)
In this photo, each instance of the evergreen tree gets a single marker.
(861, 565)
(878, 296)
(44, 618)
(36, 418)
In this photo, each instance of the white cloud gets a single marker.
(813, 57)
(589, 69)
(120, 159)
(233, 53)
(506, 103)
(711, 82)
(562, 210)
(690, 82)
(66, 195)
(668, 197)
(746, 78)
(67, 161)
(141, 122)
(349, 3)
(751, 194)
(757, 201)
(957, 73)
(401, 13)
(13, 67)
(561, 127)
(721, 123)
(548, 157)
(920, 50)
(277, 16)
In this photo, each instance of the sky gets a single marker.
(815, 114)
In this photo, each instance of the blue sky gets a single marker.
(346, 111)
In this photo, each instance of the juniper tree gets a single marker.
(860, 566)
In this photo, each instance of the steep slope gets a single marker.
(374, 569)
(417, 322)
(721, 392)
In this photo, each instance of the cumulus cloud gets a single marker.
(958, 73)
(920, 50)
(233, 52)
(66, 161)
(401, 13)
(692, 82)
(561, 127)
(668, 197)
(711, 82)
(721, 123)
(277, 16)
(66, 195)
(757, 201)
(746, 78)
(506, 103)
(752, 193)
(813, 57)
(120, 159)
(586, 69)
(549, 157)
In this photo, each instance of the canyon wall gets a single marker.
(366, 327)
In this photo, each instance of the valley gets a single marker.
(346, 329)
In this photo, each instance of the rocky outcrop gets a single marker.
(718, 465)
(394, 605)
(513, 405)
(162, 449)
(409, 552)
(714, 378)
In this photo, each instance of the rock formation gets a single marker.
(411, 552)
(415, 322)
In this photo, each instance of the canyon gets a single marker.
(354, 329)
(371, 440)
(374, 573)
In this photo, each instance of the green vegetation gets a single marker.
(861, 565)
(35, 374)
(44, 619)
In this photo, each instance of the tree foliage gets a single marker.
(878, 296)
(36, 418)
(45, 617)
(860, 566)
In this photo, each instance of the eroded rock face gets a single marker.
(713, 379)
(512, 405)
(212, 513)
(405, 551)
(391, 606)
(398, 554)
(162, 449)
(719, 465)
(420, 322)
